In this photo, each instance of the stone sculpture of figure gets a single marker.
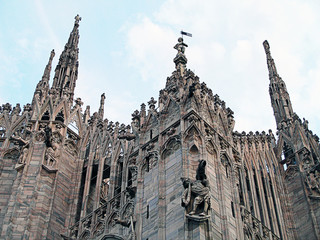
(105, 188)
(48, 136)
(313, 182)
(196, 193)
(23, 156)
(128, 220)
(180, 46)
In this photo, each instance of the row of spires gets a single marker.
(66, 74)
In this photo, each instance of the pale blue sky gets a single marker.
(126, 51)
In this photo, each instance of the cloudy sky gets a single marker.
(126, 51)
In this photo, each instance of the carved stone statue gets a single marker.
(128, 220)
(180, 46)
(105, 188)
(313, 182)
(195, 197)
(23, 156)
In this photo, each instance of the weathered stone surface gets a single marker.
(68, 174)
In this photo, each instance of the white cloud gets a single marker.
(226, 51)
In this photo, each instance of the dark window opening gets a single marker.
(60, 117)
(147, 211)
(147, 164)
(275, 207)
(86, 156)
(227, 175)
(232, 209)
(249, 193)
(150, 134)
(118, 181)
(129, 183)
(258, 196)
(92, 188)
(46, 116)
(81, 190)
(267, 201)
(105, 183)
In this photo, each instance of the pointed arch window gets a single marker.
(60, 117)
(119, 170)
(46, 116)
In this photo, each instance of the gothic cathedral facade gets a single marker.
(179, 171)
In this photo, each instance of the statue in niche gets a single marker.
(52, 151)
(105, 188)
(313, 182)
(128, 220)
(195, 197)
(23, 156)
(23, 152)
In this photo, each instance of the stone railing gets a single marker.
(94, 224)
(258, 229)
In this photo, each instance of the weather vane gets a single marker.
(185, 33)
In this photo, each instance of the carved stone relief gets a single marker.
(195, 197)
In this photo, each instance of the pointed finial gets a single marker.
(77, 19)
(266, 47)
(101, 109)
(271, 66)
(52, 54)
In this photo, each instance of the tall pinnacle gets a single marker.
(180, 60)
(43, 85)
(271, 66)
(279, 95)
(101, 109)
(47, 70)
(66, 72)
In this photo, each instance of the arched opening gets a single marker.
(118, 177)
(194, 150)
(46, 116)
(60, 117)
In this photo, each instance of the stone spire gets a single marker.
(180, 60)
(66, 72)
(280, 99)
(43, 85)
(101, 109)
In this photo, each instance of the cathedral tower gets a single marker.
(298, 151)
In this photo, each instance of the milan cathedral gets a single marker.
(178, 171)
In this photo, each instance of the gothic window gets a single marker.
(147, 164)
(258, 195)
(150, 134)
(249, 193)
(105, 184)
(275, 206)
(194, 150)
(46, 116)
(60, 117)
(86, 156)
(240, 188)
(118, 179)
(129, 182)
(81, 190)
(232, 209)
(267, 201)
(92, 189)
